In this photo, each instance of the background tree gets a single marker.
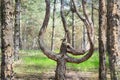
(113, 24)
(17, 29)
(53, 27)
(7, 40)
(102, 39)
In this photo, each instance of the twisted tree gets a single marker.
(66, 48)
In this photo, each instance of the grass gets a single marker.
(34, 61)
(91, 64)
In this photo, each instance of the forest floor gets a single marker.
(33, 65)
(71, 75)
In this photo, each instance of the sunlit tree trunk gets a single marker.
(7, 40)
(17, 29)
(102, 39)
(113, 21)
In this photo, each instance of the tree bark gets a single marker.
(60, 69)
(113, 18)
(17, 29)
(102, 39)
(7, 40)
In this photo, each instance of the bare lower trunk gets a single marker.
(102, 40)
(112, 37)
(7, 40)
(60, 70)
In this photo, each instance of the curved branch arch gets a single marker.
(90, 32)
(45, 50)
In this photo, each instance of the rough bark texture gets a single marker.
(17, 29)
(60, 69)
(113, 18)
(7, 40)
(102, 39)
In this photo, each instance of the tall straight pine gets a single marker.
(113, 21)
(7, 40)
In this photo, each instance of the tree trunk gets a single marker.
(7, 40)
(17, 29)
(73, 30)
(85, 44)
(61, 69)
(112, 37)
(92, 17)
(102, 40)
(53, 27)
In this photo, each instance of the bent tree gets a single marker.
(66, 48)
(113, 22)
(7, 40)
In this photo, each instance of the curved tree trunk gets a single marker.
(102, 39)
(113, 18)
(62, 57)
(7, 40)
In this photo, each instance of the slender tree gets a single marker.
(73, 23)
(17, 29)
(73, 29)
(102, 39)
(53, 27)
(92, 11)
(62, 58)
(113, 22)
(7, 40)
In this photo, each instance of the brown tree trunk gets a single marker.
(17, 29)
(113, 18)
(7, 40)
(60, 69)
(102, 39)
